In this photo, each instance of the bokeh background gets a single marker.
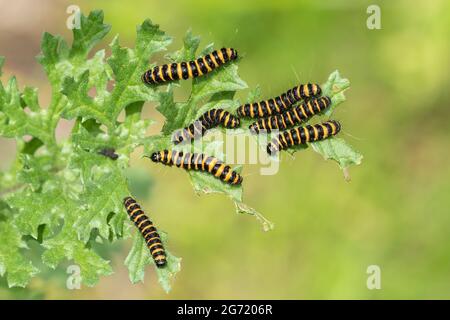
(395, 211)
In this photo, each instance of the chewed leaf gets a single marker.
(204, 182)
(243, 208)
(334, 88)
(208, 184)
(334, 148)
(139, 257)
(167, 274)
(339, 150)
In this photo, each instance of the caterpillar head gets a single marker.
(272, 148)
(234, 54)
(127, 199)
(254, 128)
(177, 137)
(156, 156)
(160, 261)
(337, 124)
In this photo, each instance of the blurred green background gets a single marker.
(395, 211)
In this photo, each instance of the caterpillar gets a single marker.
(198, 162)
(148, 231)
(279, 104)
(302, 135)
(291, 117)
(208, 120)
(109, 152)
(190, 69)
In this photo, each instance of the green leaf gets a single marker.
(92, 266)
(169, 109)
(339, 150)
(36, 208)
(335, 88)
(334, 148)
(19, 270)
(15, 122)
(128, 65)
(104, 194)
(139, 258)
(66, 245)
(91, 31)
(54, 50)
(223, 79)
(82, 105)
(243, 208)
(69, 195)
(30, 99)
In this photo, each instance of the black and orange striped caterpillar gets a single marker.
(279, 104)
(291, 117)
(199, 162)
(208, 120)
(148, 231)
(302, 135)
(190, 69)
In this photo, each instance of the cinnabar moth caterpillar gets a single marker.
(148, 231)
(302, 135)
(109, 152)
(281, 103)
(208, 120)
(291, 117)
(198, 162)
(190, 69)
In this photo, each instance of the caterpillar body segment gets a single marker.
(198, 162)
(190, 69)
(302, 135)
(210, 119)
(148, 231)
(291, 117)
(281, 103)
